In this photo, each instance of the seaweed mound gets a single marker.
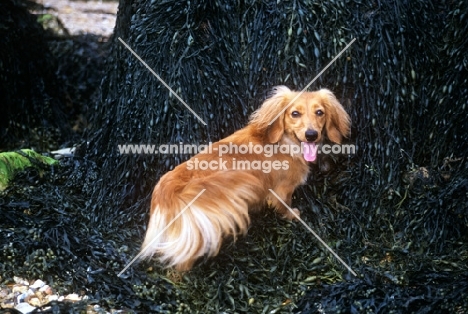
(33, 100)
(400, 199)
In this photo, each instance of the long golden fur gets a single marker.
(223, 209)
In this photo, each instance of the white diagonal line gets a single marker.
(155, 238)
(315, 78)
(312, 231)
(161, 80)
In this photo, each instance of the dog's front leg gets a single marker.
(285, 193)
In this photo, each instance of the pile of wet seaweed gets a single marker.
(33, 103)
(47, 79)
(396, 211)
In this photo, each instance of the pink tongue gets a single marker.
(310, 151)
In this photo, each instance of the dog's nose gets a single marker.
(311, 135)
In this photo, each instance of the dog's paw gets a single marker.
(290, 216)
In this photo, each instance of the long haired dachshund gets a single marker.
(239, 180)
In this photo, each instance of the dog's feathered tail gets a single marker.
(221, 210)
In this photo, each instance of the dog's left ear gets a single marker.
(276, 129)
(338, 121)
(269, 118)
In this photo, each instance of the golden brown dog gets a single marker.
(236, 176)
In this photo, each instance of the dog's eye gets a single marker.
(319, 113)
(295, 114)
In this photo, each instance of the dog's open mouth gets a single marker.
(309, 149)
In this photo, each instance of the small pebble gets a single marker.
(73, 297)
(21, 281)
(46, 289)
(35, 302)
(25, 307)
(20, 289)
(37, 284)
(52, 297)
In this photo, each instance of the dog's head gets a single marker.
(302, 118)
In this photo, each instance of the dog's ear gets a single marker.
(338, 121)
(276, 129)
(269, 118)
